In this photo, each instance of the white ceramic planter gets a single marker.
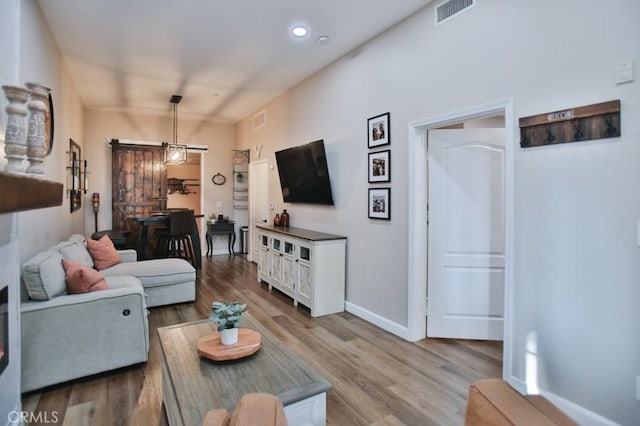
(229, 336)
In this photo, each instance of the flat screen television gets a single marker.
(304, 175)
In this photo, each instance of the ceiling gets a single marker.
(226, 58)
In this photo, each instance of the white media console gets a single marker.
(307, 266)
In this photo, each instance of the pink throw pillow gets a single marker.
(82, 279)
(103, 252)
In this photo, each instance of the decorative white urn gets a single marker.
(15, 141)
(36, 146)
(229, 336)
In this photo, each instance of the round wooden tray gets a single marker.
(211, 347)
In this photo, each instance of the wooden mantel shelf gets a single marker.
(19, 193)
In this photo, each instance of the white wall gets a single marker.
(41, 61)
(10, 277)
(29, 54)
(9, 246)
(102, 126)
(192, 199)
(576, 207)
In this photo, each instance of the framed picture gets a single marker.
(380, 166)
(380, 203)
(379, 131)
(74, 175)
(48, 126)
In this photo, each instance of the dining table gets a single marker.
(161, 219)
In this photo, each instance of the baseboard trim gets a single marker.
(218, 252)
(579, 414)
(375, 319)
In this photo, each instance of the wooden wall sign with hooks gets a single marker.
(597, 121)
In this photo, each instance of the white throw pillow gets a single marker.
(43, 275)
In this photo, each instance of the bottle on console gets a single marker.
(284, 218)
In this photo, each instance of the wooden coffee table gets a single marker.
(192, 385)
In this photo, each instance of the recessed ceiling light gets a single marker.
(299, 31)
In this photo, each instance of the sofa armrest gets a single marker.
(79, 299)
(77, 335)
(128, 255)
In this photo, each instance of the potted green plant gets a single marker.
(227, 316)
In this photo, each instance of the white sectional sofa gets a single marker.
(68, 336)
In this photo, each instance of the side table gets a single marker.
(221, 228)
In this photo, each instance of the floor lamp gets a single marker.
(95, 199)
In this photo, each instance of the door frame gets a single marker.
(203, 221)
(417, 183)
(252, 189)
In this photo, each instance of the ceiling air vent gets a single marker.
(259, 120)
(450, 8)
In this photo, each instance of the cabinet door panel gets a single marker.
(304, 282)
(276, 266)
(289, 248)
(263, 266)
(305, 253)
(289, 272)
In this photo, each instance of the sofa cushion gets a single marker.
(122, 281)
(43, 275)
(76, 251)
(103, 252)
(155, 272)
(82, 279)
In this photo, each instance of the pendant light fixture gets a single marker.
(175, 153)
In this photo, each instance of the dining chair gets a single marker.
(175, 241)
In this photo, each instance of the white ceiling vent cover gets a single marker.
(452, 7)
(259, 120)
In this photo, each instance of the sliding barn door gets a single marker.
(138, 182)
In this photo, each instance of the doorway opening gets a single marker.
(418, 214)
(258, 203)
(184, 187)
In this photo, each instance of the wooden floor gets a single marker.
(377, 378)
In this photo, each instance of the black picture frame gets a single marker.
(379, 130)
(380, 166)
(380, 203)
(49, 126)
(75, 161)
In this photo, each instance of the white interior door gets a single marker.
(258, 202)
(466, 189)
